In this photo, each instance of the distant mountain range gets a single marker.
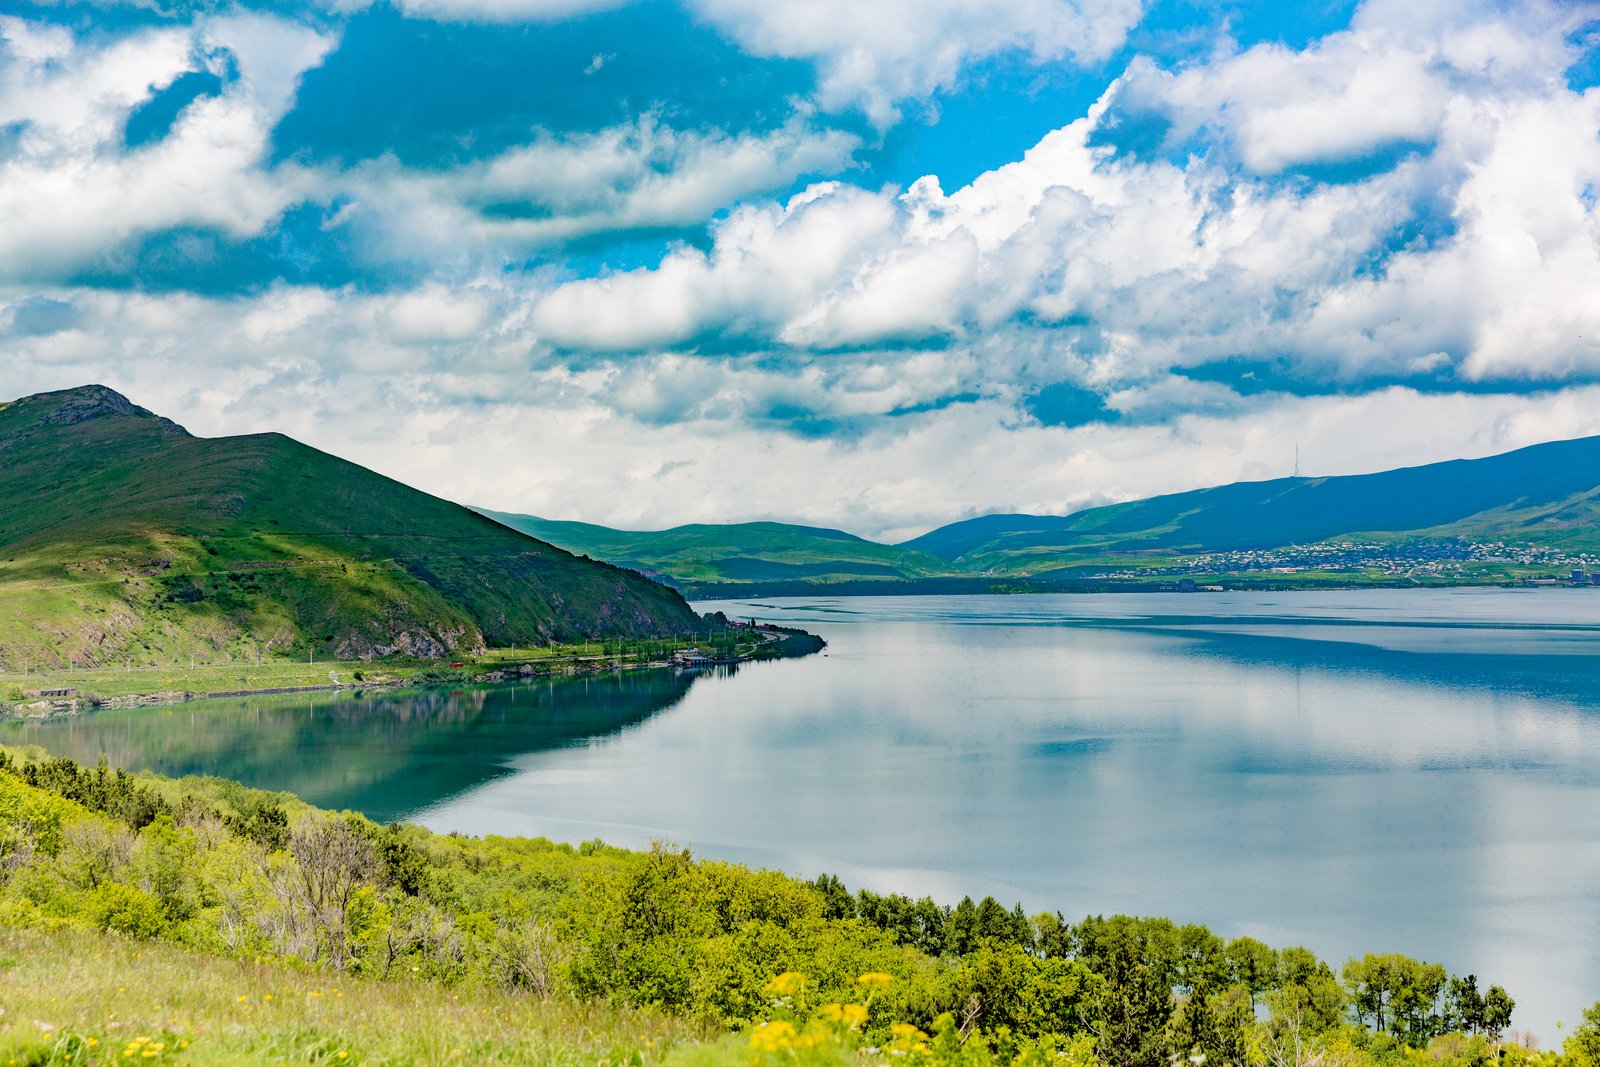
(124, 538)
(1546, 496)
(736, 552)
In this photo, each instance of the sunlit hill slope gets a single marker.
(125, 539)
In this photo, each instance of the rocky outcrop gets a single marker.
(69, 407)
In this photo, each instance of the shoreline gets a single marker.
(1036, 585)
(792, 644)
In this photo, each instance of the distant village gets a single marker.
(1443, 558)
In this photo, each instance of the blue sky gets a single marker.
(876, 266)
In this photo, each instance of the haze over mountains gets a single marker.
(1546, 495)
(125, 539)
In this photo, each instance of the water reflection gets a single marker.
(385, 752)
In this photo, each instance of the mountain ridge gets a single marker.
(1544, 495)
(123, 537)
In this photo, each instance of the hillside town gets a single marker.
(1445, 558)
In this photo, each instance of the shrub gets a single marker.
(123, 909)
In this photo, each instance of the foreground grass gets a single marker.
(79, 997)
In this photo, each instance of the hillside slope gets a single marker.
(124, 538)
(736, 552)
(1547, 494)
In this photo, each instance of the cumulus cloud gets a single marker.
(1384, 245)
(554, 189)
(70, 192)
(1396, 76)
(1469, 260)
(877, 54)
(662, 442)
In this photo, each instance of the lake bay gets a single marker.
(1408, 771)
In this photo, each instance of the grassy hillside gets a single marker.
(1547, 494)
(749, 552)
(123, 538)
(196, 921)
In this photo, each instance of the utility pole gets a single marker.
(1297, 459)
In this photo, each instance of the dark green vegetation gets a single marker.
(1535, 511)
(746, 552)
(125, 539)
(808, 970)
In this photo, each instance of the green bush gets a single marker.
(125, 909)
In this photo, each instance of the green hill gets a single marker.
(124, 538)
(747, 552)
(1546, 495)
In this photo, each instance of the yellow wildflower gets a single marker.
(775, 1036)
(846, 1015)
(786, 984)
(875, 980)
(908, 1040)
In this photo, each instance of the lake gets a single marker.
(1411, 771)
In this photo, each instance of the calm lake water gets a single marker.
(1353, 771)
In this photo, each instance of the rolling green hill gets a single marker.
(125, 539)
(746, 552)
(1547, 494)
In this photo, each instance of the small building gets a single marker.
(52, 692)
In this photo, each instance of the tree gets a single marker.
(1582, 1048)
(1212, 1028)
(1253, 965)
(1399, 995)
(334, 858)
(836, 902)
(1465, 1004)
(1497, 1008)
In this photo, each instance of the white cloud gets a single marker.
(504, 10)
(876, 54)
(553, 189)
(71, 193)
(671, 439)
(1136, 266)
(1392, 78)
(878, 347)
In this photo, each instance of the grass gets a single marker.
(77, 997)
